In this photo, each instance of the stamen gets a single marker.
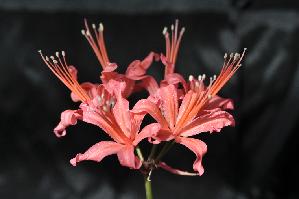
(164, 32)
(60, 69)
(191, 78)
(203, 76)
(101, 27)
(105, 108)
(83, 32)
(199, 78)
(96, 41)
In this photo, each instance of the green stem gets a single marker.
(164, 150)
(139, 153)
(153, 152)
(148, 188)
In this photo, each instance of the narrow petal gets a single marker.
(68, 117)
(127, 157)
(137, 69)
(196, 146)
(164, 166)
(149, 83)
(169, 98)
(93, 117)
(146, 106)
(122, 115)
(219, 102)
(175, 79)
(98, 151)
(150, 130)
(211, 122)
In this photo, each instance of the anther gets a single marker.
(55, 61)
(214, 77)
(105, 108)
(225, 56)
(83, 32)
(236, 56)
(99, 99)
(191, 78)
(172, 27)
(93, 26)
(182, 30)
(101, 27)
(199, 77)
(164, 32)
(203, 76)
(57, 54)
(63, 53)
(231, 55)
(52, 57)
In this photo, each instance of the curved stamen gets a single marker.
(172, 45)
(97, 43)
(61, 69)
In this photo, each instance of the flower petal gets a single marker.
(164, 166)
(219, 102)
(68, 117)
(169, 98)
(98, 151)
(137, 69)
(146, 106)
(213, 121)
(150, 130)
(175, 79)
(196, 146)
(93, 117)
(127, 157)
(149, 83)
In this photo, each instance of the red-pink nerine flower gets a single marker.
(182, 109)
(103, 106)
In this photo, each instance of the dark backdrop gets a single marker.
(256, 159)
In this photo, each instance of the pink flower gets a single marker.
(120, 123)
(195, 114)
(135, 71)
(106, 109)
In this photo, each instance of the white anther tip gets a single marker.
(57, 54)
(183, 30)
(191, 78)
(101, 27)
(52, 57)
(172, 27)
(164, 31)
(93, 26)
(83, 32)
(199, 77)
(225, 56)
(63, 53)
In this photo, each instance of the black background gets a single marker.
(256, 159)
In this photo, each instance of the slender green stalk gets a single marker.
(148, 188)
(153, 152)
(139, 153)
(164, 150)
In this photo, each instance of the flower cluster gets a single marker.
(181, 109)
